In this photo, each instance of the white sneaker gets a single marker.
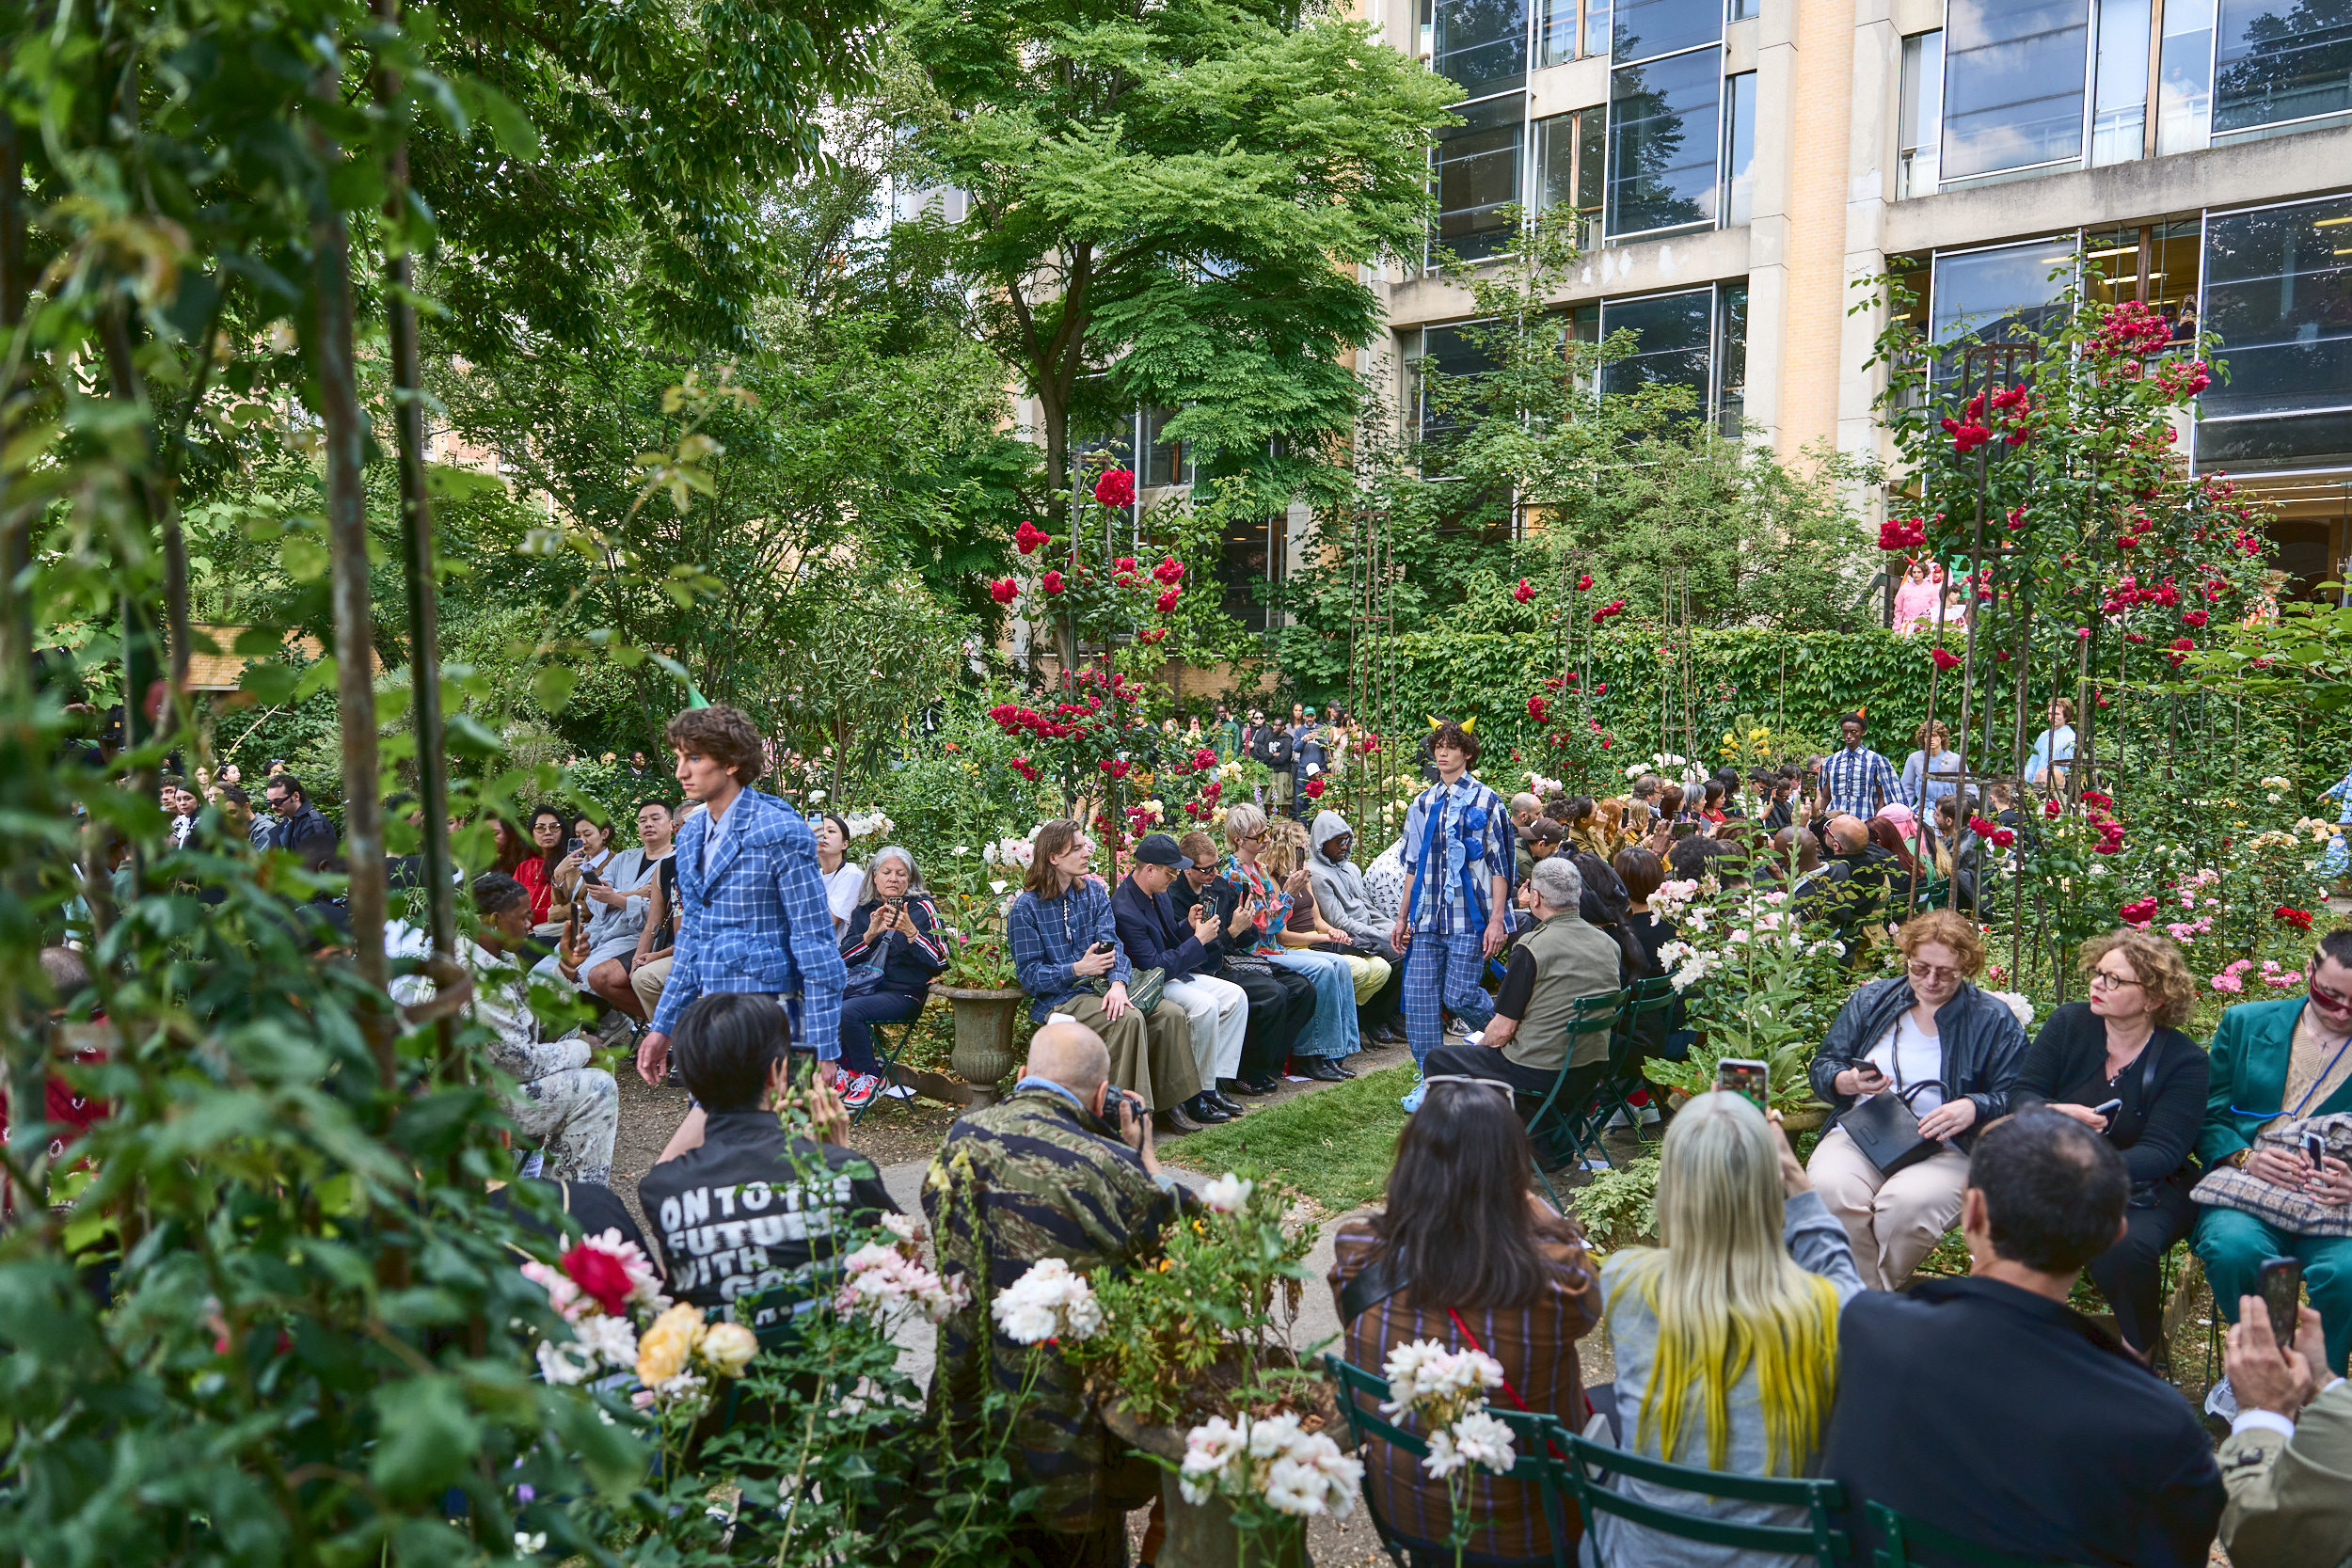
(1649, 1115)
(2222, 1400)
(1619, 1119)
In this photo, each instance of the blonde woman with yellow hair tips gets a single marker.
(1726, 1333)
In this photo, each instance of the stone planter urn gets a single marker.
(1203, 1535)
(983, 1049)
(1804, 1119)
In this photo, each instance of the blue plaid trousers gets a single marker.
(1443, 971)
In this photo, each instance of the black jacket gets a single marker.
(908, 967)
(741, 1214)
(308, 836)
(2011, 1420)
(2154, 1131)
(1155, 936)
(1983, 1046)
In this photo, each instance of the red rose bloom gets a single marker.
(602, 1277)
(1166, 602)
(1028, 536)
(1946, 660)
(1584, 581)
(1535, 709)
(1314, 789)
(1051, 582)
(1005, 592)
(1116, 488)
(1522, 592)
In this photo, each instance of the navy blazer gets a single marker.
(1155, 935)
(2016, 1422)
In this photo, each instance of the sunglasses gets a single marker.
(1931, 972)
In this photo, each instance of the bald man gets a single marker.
(1871, 869)
(1061, 1167)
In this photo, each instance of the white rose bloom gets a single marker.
(1484, 1440)
(1227, 1194)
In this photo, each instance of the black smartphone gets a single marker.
(2107, 1109)
(1748, 1076)
(2315, 1149)
(590, 878)
(1099, 947)
(2283, 1293)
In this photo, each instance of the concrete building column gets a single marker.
(1769, 228)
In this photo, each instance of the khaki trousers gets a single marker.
(1151, 1057)
(648, 978)
(1893, 1221)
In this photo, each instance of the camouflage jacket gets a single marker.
(1029, 1178)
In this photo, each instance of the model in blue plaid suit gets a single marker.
(1457, 889)
(756, 914)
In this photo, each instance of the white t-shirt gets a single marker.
(1915, 1060)
(841, 890)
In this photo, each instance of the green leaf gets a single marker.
(470, 737)
(552, 688)
(424, 1437)
(273, 685)
(304, 557)
(615, 1459)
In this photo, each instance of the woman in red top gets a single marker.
(1466, 1254)
(536, 869)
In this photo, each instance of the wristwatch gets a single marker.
(2237, 1161)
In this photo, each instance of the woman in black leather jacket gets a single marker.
(1949, 1052)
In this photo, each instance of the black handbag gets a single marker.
(1886, 1129)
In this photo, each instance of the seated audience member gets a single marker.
(1316, 1051)
(1525, 809)
(2287, 1461)
(1281, 1002)
(841, 875)
(1155, 936)
(1464, 1253)
(893, 930)
(2277, 1065)
(1988, 1408)
(618, 902)
(1062, 1167)
(1379, 986)
(2124, 1044)
(1725, 1332)
(1066, 952)
(1385, 880)
(1639, 870)
(656, 943)
(1870, 870)
(1561, 960)
(1908, 873)
(1949, 1053)
(1817, 887)
(302, 830)
(541, 861)
(753, 1208)
(575, 1108)
(1343, 903)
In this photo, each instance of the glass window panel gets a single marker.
(2254, 446)
(1739, 198)
(1478, 175)
(1742, 11)
(1731, 359)
(1651, 27)
(2279, 292)
(1596, 27)
(1996, 296)
(2119, 115)
(2281, 59)
(1480, 43)
(1922, 129)
(1249, 556)
(1592, 159)
(1556, 29)
(2184, 78)
(1164, 462)
(1446, 350)
(1671, 342)
(2014, 72)
(1663, 129)
(1567, 151)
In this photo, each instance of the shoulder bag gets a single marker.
(1886, 1129)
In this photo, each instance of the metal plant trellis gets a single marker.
(1371, 774)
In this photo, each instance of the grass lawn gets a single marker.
(1334, 1145)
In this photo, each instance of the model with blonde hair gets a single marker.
(1726, 1332)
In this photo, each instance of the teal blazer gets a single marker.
(2249, 1071)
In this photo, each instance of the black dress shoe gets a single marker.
(1259, 1085)
(1328, 1070)
(1200, 1109)
(1216, 1098)
(1343, 1071)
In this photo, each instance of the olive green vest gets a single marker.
(1572, 960)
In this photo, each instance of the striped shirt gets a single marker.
(1858, 780)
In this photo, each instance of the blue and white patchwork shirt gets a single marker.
(1457, 840)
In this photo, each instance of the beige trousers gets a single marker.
(1369, 972)
(1151, 1056)
(648, 978)
(1893, 1221)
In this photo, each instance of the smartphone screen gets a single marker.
(1744, 1075)
(2283, 1293)
(2314, 1149)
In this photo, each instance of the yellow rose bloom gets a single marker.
(662, 1351)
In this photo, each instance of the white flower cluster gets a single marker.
(1227, 1194)
(1047, 1302)
(868, 824)
(1672, 899)
(1297, 1472)
(1671, 766)
(888, 1282)
(1008, 851)
(598, 1340)
(2015, 1002)
(1446, 1389)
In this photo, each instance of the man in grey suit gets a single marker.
(2288, 1459)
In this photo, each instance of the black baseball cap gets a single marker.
(1160, 849)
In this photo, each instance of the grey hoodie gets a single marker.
(1340, 895)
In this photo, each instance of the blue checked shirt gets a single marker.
(1457, 840)
(1049, 935)
(1859, 781)
(756, 920)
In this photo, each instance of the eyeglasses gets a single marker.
(2106, 979)
(1495, 1083)
(1931, 972)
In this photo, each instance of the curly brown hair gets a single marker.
(1955, 931)
(2157, 964)
(723, 734)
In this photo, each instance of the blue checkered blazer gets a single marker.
(758, 920)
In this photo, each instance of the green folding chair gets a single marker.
(1818, 1538)
(888, 1054)
(1646, 1001)
(1899, 1535)
(1532, 1432)
(1564, 1117)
